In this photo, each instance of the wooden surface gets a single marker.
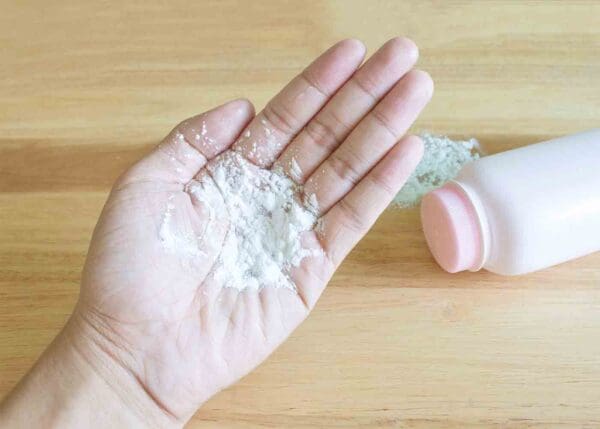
(87, 88)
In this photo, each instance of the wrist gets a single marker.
(80, 382)
(107, 365)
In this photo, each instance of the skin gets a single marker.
(154, 335)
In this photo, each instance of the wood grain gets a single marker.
(87, 88)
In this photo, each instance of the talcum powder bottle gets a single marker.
(519, 211)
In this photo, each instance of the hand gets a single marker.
(155, 311)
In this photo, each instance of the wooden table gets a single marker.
(394, 342)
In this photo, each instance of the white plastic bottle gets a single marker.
(520, 210)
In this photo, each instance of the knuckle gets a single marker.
(280, 119)
(379, 182)
(344, 169)
(381, 120)
(351, 217)
(322, 134)
(367, 86)
(312, 82)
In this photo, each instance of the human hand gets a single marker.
(149, 301)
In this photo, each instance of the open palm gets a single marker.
(337, 130)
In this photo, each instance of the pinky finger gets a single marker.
(352, 217)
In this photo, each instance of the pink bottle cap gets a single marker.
(451, 228)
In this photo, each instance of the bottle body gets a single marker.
(534, 206)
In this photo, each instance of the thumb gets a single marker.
(187, 148)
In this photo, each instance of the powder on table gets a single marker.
(442, 160)
(265, 221)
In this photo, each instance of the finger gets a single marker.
(355, 99)
(370, 140)
(352, 217)
(289, 111)
(194, 141)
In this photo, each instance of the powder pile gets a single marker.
(263, 219)
(442, 160)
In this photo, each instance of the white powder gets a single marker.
(174, 238)
(263, 217)
(442, 160)
(262, 214)
(295, 170)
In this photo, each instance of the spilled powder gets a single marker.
(442, 160)
(262, 218)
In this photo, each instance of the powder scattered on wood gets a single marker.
(442, 160)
